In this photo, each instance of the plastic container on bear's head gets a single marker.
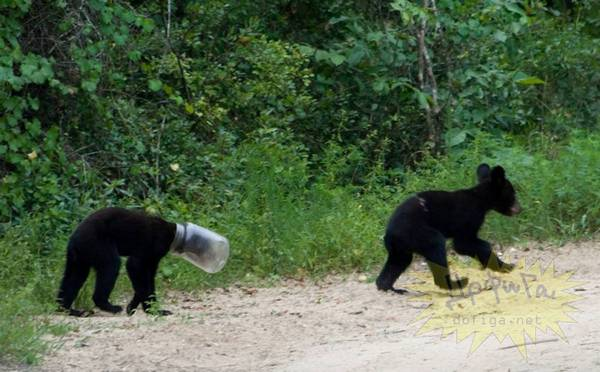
(202, 247)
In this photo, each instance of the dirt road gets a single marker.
(340, 324)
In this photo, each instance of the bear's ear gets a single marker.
(483, 173)
(498, 176)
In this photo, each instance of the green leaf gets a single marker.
(140, 147)
(515, 27)
(457, 138)
(399, 5)
(34, 127)
(27, 69)
(89, 85)
(321, 55)
(422, 98)
(375, 36)
(147, 24)
(166, 271)
(120, 39)
(6, 73)
(34, 103)
(337, 59)
(134, 55)
(520, 75)
(530, 80)
(335, 20)
(306, 50)
(356, 55)
(154, 85)
(514, 8)
(500, 36)
(380, 86)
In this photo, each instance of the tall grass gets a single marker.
(27, 278)
(284, 219)
(558, 185)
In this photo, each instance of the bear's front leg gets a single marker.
(138, 277)
(142, 273)
(482, 250)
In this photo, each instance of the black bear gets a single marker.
(100, 240)
(422, 223)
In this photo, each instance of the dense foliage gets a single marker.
(292, 127)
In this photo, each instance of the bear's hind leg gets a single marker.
(106, 277)
(76, 272)
(394, 266)
(434, 251)
(398, 260)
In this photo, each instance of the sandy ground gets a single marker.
(340, 324)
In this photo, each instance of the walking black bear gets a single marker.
(423, 223)
(100, 240)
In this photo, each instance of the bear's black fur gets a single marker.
(100, 240)
(423, 223)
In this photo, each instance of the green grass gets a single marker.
(283, 221)
(27, 284)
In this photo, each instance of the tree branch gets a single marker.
(427, 82)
